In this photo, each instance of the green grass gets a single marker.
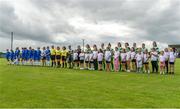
(36, 87)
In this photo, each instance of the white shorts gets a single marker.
(86, 57)
(139, 64)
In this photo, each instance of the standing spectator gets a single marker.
(166, 55)
(95, 56)
(70, 57)
(154, 60)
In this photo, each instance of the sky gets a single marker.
(40, 23)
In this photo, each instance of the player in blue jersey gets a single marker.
(12, 57)
(38, 56)
(30, 56)
(48, 56)
(26, 56)
(23, 56)
(8, 56)
(34, 57)
(17, 56)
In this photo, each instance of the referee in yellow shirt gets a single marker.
(64, 53)
(58, 57)
(53, 56)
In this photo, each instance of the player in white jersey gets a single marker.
(139, 61)
(108, 59)
(100, 59)
(82, 57)
(146, 57)
(123, 58)
(91, 66)
(128, 59)
(162, 59)
(116, 59)
(172, 58)
(75, 59)
(133, 59)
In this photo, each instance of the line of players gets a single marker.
(120, 59)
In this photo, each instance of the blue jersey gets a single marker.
(26, 54)
(12, 56)
(31, 54)
(17, 54)
(34, 54)
(23, 54)
(48, 54)
(38, 54)
(8, 55)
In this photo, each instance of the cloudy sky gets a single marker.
(46, 22)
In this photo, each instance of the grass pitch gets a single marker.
(37, 87)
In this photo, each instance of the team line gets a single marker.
(127, 59)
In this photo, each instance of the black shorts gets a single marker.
(146, 63)
(133, 60)
(91, 62)
(43, 58)
(100, 62)
(171, 63)
(123, 62)
(63, 58)
(75, 60)
(81, 61)
(58, 57)
(78, 58)
(53, 57)
(108, 62)
(86, 61)
(70, 59)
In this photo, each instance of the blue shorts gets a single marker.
(48, 58)
(31, 57)
(12, 59)
(26, 58)
(38, 58)
(23, 57)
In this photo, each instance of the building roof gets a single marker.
(175, 45)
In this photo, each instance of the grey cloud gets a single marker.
(141, 15)
(10, 22)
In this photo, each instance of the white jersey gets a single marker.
(172, 57)
(75, 56)
(86, 57)
(166, 55)
(154, 56)
(100, 56)
(145, 57)
(91, 57)
(43, 54)
(162, 58)
(95, 54)
(139, 57)
(128, 55)
(116, 54)
(133, 55)
(108, 56)
(123, 56)
(82, 56)
(139, 60)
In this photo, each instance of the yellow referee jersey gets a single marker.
(53, 52)
(58, 52)
(64, 53)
